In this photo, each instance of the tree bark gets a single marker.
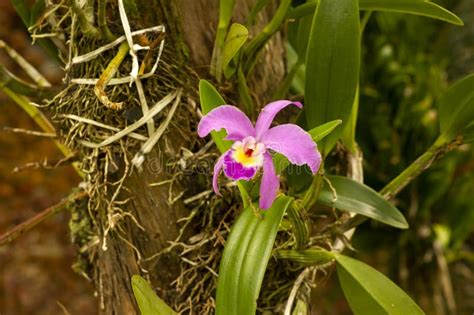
(148, 221)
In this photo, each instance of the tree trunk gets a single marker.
(120, 239)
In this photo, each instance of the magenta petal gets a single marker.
(270, 183)
(268, 113)
(236, 171)
(217, 170)
(294, 143)
(228, 117)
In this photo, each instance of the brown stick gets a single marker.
(40, 217)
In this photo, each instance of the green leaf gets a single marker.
(332, 66)
(210, 99)
(245, 258)
(369, 292)
(355, 197)
(236, 38)
(456, 108)
(259, 5)
(417, 7)
(319, 132)
(308, 257)
(148, 302)
(225, 13)
(27, 16)
(258, 42)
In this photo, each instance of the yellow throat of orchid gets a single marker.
(249, 153)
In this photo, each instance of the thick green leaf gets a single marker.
(245, 258)
(236, 38)
(307, 257)
(332, 66)
(417, 7)
(210, 99)
(456, 108)
(355, 197)
(369, 292)
(147, 300)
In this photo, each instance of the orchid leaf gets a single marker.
(236, 38)
(210, 99)
(225, 13)
(369, 292)
(258, 6)
(318, 133)
(350, 195)
(416, 7)
(456, 108)
(246, 254)
(28, 16)
(148, 302)
(332, 66)
(258, 42)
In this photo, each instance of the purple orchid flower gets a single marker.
(251, 149)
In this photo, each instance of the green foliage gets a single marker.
(148, 302)
(417, 7)
(369, 292)
(246, 254)
(352, 196)
(236, 38)
(210, 99)
(332, 66)
(456, 108)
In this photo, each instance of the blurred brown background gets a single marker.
(35, 270)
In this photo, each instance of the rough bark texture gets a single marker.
(190, 35)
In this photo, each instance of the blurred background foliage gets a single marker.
(407, 63)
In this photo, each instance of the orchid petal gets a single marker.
(217, 170)
(268, 113)
(294, 143)
(228, 117)
(270, 183)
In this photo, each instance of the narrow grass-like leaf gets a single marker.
(353, 196)
(332, 66)
(258, 6)
(416, 7)
(456, 108)
(369, 292)
(256, 44)
(148, 302)
(236, 38)
(245, 258)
